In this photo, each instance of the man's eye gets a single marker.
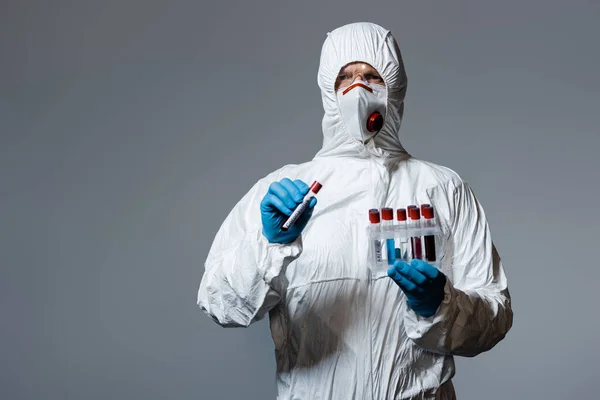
(341, 77)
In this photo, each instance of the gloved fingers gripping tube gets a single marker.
(314, 189)
(408, 238)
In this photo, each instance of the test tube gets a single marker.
(314, 189)
(415, 216)
(429, 240)
(402, 241)
(387, 215)
(375, 224)
(409, 224)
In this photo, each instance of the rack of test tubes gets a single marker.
(408, 233)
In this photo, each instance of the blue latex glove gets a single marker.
(278, 204)
(422, 283)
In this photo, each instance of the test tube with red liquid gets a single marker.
(415, 215)
(429, 240)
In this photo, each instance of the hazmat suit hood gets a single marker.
(369, 43)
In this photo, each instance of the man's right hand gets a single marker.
(278, 204)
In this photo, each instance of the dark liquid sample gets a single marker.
(430, 248)
(416, 247)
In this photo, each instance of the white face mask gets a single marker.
(362, 107)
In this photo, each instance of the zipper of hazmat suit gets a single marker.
(380, 173)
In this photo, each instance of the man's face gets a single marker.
(357, 71)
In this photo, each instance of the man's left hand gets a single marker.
(422, 283)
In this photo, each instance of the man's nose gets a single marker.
(358, 77)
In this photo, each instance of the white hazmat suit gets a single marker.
(340, 333)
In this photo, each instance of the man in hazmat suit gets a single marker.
(340, 331)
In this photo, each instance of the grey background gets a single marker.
(129, 129)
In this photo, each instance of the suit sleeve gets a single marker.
(476, 312)
(243, 277)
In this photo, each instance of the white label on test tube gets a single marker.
(314, 189)
(389, 255)
(375, 224)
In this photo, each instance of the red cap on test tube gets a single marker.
(374, 216)
(427, 211)
(387, 214)
(414, 213)
(401, 214)
(411, 209)
(315, 187)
